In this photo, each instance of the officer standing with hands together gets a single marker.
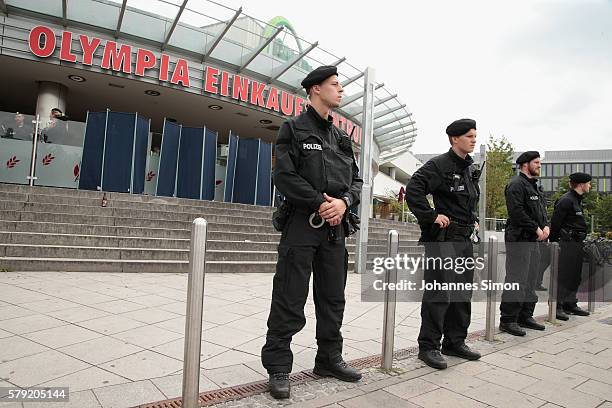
(527, 225)
(316, 172)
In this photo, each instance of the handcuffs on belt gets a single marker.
(315, 220)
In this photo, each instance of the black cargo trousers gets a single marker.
(445, 312)
(303, 249)
(571, 257)
(522, 264)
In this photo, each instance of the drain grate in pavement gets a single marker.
(213, 397)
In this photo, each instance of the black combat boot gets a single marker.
(512, 328)
(561, 314)
(462, 351)
(340, 370)
(575, 310)
(530, 323)
(279, 385)
(433, 358)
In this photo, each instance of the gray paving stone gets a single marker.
(142, 365)
(506, 361)
(377, 398)
(28, 324)
(443, 398)
(106, 349)
(78, 314)
(111, 324)
(15, 347)
(562, 395)
(232, 375)
(594, 373)
(453, 380)
(28, 371)
(62, 336)
(128, 395)
(87, 379)
(411, 388)
(596, 388)
(172, 385)
(543, 372)
(147, 336)
(82, 399)
(506, 378)
(502, 397)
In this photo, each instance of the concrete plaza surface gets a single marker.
(116, 340)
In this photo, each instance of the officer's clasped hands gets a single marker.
(332, 210)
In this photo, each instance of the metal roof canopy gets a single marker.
(273, 75)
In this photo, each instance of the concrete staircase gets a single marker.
(53, 229)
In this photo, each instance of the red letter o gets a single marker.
(48, 45)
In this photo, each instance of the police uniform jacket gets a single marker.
(568, 215)
(314, 157)
(449, 179)
(526, 209)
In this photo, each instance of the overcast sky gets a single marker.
(537, 71)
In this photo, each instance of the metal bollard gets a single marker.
(193, 319)
(390, 301)
(591, 284)
(554, 282)
(493, 253)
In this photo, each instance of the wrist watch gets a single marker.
(347, 201)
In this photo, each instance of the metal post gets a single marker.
(390, 300)
(193, 319)
(482, 202)
(32, 177)
(365, 167)
(591, 284)
(493, 252)
(554, 281)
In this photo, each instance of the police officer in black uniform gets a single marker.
(569, 228)
(446, 230)
(527, 225)
(316, 172)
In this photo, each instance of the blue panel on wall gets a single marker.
(208, 165)
(189, 180)
(264, 175)
(140, 154)
(230, 171)
(246, 171)
(93, 146)
(118, 149)
(166, 175)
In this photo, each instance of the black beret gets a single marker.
(580, 177)
(526, 157)
(319, 75)
(460, 127)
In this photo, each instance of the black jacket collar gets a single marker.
(532, 180)
(314, 116)
(463, 163)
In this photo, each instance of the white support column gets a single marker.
(365, 167)
(50, 95)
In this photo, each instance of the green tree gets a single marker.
(499, 172)
(603, 214)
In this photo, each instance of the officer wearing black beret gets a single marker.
(568, 227)
(527, 225)
(315, 170)
(446, 231)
